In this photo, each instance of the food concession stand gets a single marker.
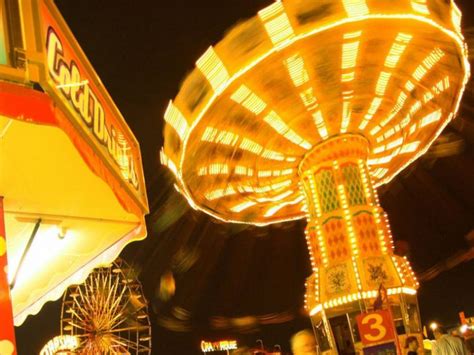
(72, 191)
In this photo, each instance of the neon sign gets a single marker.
(76, 90)
(223, 345)
(60, 343)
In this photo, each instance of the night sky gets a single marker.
(142, 51)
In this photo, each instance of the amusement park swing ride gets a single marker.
(301, 112)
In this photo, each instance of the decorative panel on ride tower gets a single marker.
(338, 280)
(378, 270)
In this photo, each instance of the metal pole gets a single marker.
(25, 252)
(318, 348)
(350, 329)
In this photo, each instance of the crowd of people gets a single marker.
(447, 344)
(304, 343)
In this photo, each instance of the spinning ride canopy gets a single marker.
(303, 72)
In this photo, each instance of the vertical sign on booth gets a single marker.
(7, 332)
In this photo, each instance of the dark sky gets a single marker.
(142, 51)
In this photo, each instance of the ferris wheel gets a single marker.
(108, 313)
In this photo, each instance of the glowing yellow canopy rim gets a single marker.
(301, 111)
(303, 71)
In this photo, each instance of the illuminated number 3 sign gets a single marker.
(375, 327)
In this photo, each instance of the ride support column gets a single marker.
(348, 234)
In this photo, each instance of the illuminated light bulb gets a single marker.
(166, 161)
(398, 106)
(218, 193)
(350, 50)
(244, 96)
(395, 143)
(441, 86)
(296, 69)
(346, 77)
(415, 107)
(431, 118)
(397, 49)
(409, 291)
(372, 110)
(391, 62)
(271, 211)
(214, 169)
(409, 86)
(420, 6)
(250, 146)
(272, 155)
(308, 98)
(214, 135)
(427, 97)
(277, 24)
(243, 170)
(346, 116)
(410, 147)
(379, 149)
(282, 128)
(176, 120)
(356, 8)
(320, 124)
(382, 83)
(434, 57)
(214, 70)
(243, 206)
(276, 198)
(429, 62)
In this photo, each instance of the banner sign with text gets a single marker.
(70, 79)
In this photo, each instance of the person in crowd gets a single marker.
(303, 343)
(411, 344)
(447, 344)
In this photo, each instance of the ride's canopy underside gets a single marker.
(299, 73)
